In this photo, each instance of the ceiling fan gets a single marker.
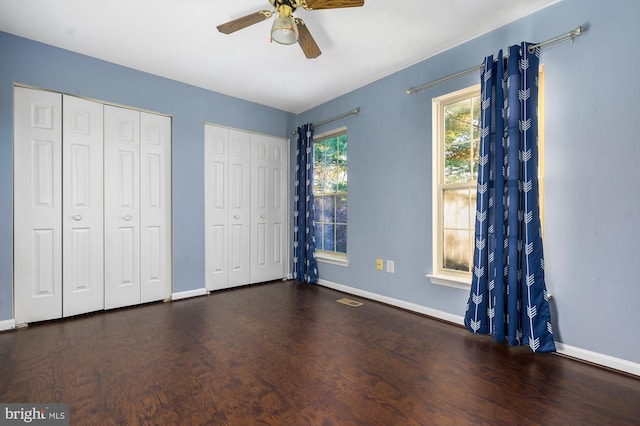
(287, 29)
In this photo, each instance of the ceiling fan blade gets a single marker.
(243, 22)
(330, 4)
(306, 41)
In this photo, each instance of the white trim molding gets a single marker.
(445, 316)
(599, 359)
(7, 324)
(455, 281)
(189, 293)
(562, 349)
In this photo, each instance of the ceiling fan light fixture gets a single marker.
(284, 30)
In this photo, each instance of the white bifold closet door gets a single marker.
(246, 194)
(137, 207)
(268, 208)
(122, 207)
(156, 272)
(58, 225)
(82, 207)
(37, 202)
(227, 207)
(92, 206)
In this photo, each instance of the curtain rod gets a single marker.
(354, 111)
(568, 36)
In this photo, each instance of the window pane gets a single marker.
(456, 250)
(472, 210)
(330, 165)
(318, 167)
(317, 209)
(459, 134)
(457, 163)
(331, 149)
(328, 241)
(341, 161)
(456, 208)
(328, 209)
(458, 121)
(476, 156)
(341, 209)
(341, 238)
(318, 235)
(475, 117)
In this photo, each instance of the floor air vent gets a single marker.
(349, 302)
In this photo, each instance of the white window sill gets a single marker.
(333, 260)
(450, 280)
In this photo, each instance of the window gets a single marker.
(456, 123)
(330, 193)
(456, 130)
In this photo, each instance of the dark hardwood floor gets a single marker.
(288, 354)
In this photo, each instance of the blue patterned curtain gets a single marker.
(508, 295)
(305, 268)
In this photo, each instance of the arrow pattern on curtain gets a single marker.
(508, 295)
(305, 267)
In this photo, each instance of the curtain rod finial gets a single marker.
(577, 32)
(579, 29)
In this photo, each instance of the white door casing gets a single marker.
(37, 205)
(82, 206)
(122, 206)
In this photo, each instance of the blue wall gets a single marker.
(592, 143)
(27, 62)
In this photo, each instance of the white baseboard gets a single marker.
(599, 359)
(456, 319)
(562, 349)
(189, 293)
(7, 325)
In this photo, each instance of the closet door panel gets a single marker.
(122, 206)
(155, 204)
(279, 167)
(216, 174)
(37, 205)
(239, 207)
(82, 206)
(260, 202)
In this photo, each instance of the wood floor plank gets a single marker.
(288, 354)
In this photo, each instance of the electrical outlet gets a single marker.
(379, 264)
(391, 267)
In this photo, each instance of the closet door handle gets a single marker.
(127, 217)
(77, 217)
(236, 217)
(262, 216)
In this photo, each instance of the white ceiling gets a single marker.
(178, 39)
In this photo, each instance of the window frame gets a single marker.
(333, 257)
(451, 278)
(440, 275)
